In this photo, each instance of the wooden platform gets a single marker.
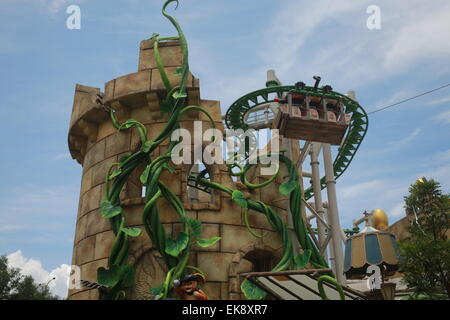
(299, 285)
(303, 127)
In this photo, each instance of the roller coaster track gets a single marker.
(234, 119)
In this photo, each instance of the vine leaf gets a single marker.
(287, 187)
(108, 277)
(112, 276)
(178, 95)
(196, 226)
(147, 146)
(120, 295)
(144, 175)
(302, 259)
(127, 275)
(239, 198)
(252, 291)
(157, 291)
(178, 71)
(115, 173)
(174, 247)
(166, 106)
(169, 168)
(124, 158)
(109, 210)
(132, 232)
(128, 124)
(204, 243)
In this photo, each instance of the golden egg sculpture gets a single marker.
(379, 219)
(421, 180)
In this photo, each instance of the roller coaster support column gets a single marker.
(318, 205)
(295, 244)
(272, 81)
(333, 214)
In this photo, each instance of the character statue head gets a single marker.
(187, 287)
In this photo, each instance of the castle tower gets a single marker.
(95, 144)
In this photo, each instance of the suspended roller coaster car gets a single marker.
(235, 117)
(311, 117)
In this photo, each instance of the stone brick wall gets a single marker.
(95, 144)
(400, 228)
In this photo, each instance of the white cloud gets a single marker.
(439, 101)
(442, 157)
(335, 42)
(398, 210)
(440, 174)
(32, 267)
(394, 98)
(12, 227)
(387, 192)
(54, 6)
(294, 24)
(436, 159)
(32, 199)
(361, 189)
(410, 137)
(45, 214)
(395, 145)
(62, 156)
(444, 117)
(420, 35)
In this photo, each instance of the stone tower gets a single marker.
(95, 144)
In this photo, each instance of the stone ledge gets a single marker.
(87, 113)
(170, 52)
(148, 44)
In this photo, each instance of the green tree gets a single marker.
(15, 286)
(425, 256)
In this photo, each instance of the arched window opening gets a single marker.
(197, 193)
(257, 260)
(261, 260)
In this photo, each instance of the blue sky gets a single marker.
(232, 44)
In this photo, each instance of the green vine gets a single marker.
(292, 188)
(119, 275)
(331, 281)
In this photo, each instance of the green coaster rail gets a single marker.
(234, 119)
(119, 276)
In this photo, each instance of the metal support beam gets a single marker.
(323, 249)
(306, 174)
(316, 214)
(365, 218)
(321, 225)
(295, 244)
(313, 236)
(332, 259)
(304, 153)
(333, 214)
